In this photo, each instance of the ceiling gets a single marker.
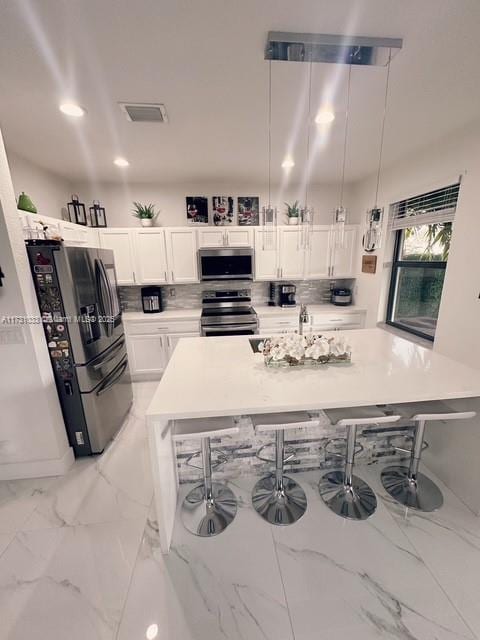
(204, 60)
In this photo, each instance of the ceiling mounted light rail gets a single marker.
(317, 47)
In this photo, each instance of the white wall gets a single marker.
(48, 191)
(455, 446)
(33, 440)
(170, 199)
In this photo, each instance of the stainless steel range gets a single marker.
(228, 313)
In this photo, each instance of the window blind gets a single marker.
(427, 208)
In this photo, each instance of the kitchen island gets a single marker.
(222, 376)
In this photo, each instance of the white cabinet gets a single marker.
(182, 255)
(266, 254)
(150, 256)
(292, 253)
(120, 241)
(343, 257)
(318, 252)
(211, 237)
(147, 354)
(173, 338)
(225, 237)
(239, 237)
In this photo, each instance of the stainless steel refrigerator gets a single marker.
(81, 316)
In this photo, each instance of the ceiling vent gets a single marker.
(141, 112)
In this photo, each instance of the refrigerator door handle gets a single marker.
(102, 285)
(112, 355)
(113, 378)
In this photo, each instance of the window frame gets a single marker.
(397, 263)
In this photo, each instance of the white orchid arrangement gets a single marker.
(294, 349)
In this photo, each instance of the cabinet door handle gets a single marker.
(166, 277)
(173, 279)
(133, 274)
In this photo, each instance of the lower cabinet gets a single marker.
(147, 355)
(150, 347)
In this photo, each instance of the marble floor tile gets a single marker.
(18, 499)
(68, 582)
(360, 579)
(449, 543)
(223, 588)
(116, 485)
(5, 539)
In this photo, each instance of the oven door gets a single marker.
(226, 264)
(230, 330)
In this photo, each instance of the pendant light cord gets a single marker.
(269, 132)
(307, 172)
(385, 104)
(346, 135)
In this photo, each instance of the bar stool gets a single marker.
(345, 494)
(276, 497)
(210, 507)
(406, 484)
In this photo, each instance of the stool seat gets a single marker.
(199, 428)
(432, 410)
(407, 485)
(344, 493)
(359, 415)
(263, 422)
(209, 507)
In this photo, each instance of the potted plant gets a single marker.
(293, 212)
(145, 213)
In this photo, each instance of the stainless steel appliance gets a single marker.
(77, 294)
(286, 295)
(342, 297)
(232, 263)
(228, 313)
(152, 299)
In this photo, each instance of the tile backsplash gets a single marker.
(189, 296)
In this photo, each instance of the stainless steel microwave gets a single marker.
(232, 263)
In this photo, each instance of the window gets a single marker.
(423, 231)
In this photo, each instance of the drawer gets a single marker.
(291, 323)
(174, 326)
(337, 320)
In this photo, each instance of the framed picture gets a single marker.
(197, 210)
(222, 210)
(248, 208)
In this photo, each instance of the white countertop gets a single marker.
(168, 314)
(264, 311)
(222, 376)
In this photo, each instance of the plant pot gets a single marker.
(293, 220)
(146, 222)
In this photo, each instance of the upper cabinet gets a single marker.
(120, 241)
(292, 253)
(225, 237)
(318, 252)
(266, 254)
(182, 255)
(150, 256)
(343, 257)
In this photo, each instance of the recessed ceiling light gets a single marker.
(72, 109)
(121, 162)
(325, 116)
(288, 163)
(152, 632)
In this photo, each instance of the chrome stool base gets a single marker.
(208, 518)
(421, 493)
(280, 506)
(355, 501)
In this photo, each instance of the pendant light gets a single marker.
(306, 212)
(374, 217)
(269, 213)
(340, 215)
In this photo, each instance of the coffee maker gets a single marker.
(286, 295)
(152, 299)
